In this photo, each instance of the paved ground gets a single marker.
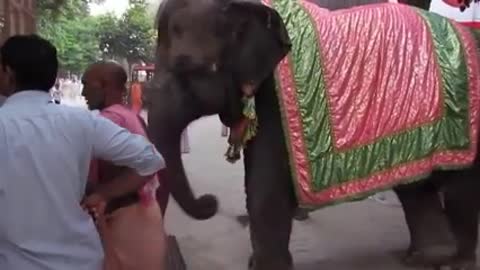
(361, 236)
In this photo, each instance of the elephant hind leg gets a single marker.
(462, 208)
(430, 238)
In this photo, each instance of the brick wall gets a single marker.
(16, 17)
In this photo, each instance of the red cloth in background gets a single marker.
(136, 97)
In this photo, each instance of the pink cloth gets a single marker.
(348, 69)
(373, 77)
(133, 237)
(129, 120)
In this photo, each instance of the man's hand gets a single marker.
(95, 205)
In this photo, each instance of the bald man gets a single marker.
(132, 226)
(104, 85)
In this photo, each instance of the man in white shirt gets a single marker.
(3, 96)
(45, 152)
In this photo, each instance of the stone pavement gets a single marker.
(365, 235)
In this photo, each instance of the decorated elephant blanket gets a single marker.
(374, 96)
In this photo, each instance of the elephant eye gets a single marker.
(176, 30)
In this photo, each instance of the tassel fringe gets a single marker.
(243, 132)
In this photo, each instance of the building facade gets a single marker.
(16, 17)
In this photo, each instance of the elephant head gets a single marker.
(209, 49)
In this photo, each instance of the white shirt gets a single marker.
(45, 152)
(2, 99)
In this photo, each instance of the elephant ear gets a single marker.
(259, 40)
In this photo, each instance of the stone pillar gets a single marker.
(6, 14)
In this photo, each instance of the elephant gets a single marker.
(204, 64)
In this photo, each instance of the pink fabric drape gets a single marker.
(133, 237)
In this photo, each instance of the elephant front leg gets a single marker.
(430, 238)
(270, 228)
(271, 207)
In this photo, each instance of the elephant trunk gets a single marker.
(205, 206)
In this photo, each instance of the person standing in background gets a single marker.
(136, 97)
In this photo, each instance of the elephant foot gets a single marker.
(427, 257)
(458, 264)
(271, 265)
(301, 214)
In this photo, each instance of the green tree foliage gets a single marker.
(56, 5)
(131, 37)
(106, 34)
(81, 39)
(71, 30)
